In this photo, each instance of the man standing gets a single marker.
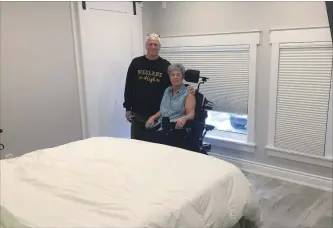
(147, 79)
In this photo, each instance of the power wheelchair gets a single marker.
(191, 136)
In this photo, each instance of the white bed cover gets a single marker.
(110, 182)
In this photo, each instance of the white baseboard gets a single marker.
(306, 179)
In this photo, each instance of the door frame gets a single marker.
(2, 152)
(75, 22)
(79, 66)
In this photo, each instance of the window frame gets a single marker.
(252, 39)
(299, 37)
(329, 133)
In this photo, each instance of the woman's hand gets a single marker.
(150, 122)
(181, 122)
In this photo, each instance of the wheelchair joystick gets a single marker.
(166, 125)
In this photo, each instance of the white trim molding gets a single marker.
(301, 35)
(299, 28)
(273, 91)
(302, 178)
(252, 95)
(212, 40)
(328, 145)
(74, 7)
(231, 144)
(215, 48)
(290, 38)
(215, 33)
(300, 157)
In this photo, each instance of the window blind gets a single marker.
(227, 69)
(304, 80)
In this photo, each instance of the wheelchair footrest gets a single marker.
(206, 146)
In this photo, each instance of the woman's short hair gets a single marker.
(177, 66)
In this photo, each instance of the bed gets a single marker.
(112, 182)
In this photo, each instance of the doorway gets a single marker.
(110, 37)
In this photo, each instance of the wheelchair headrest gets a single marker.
(192, 76)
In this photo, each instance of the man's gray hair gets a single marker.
(153, 36)
(178, 67)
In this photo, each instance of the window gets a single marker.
(300, 99)
(228, 126)
(229, 61)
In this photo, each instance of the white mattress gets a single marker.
(109, 182)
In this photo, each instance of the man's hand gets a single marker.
(191, 89)
(180, 122)
(129, 116)
(150, 122)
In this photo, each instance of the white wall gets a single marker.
(39, 91)
(45, 60)
(185, 18)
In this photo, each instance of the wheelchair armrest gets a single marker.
(209, 127)
(188, 124)
(168, 126)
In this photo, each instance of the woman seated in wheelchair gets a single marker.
(178, 104)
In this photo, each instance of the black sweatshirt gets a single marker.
(145, 84)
